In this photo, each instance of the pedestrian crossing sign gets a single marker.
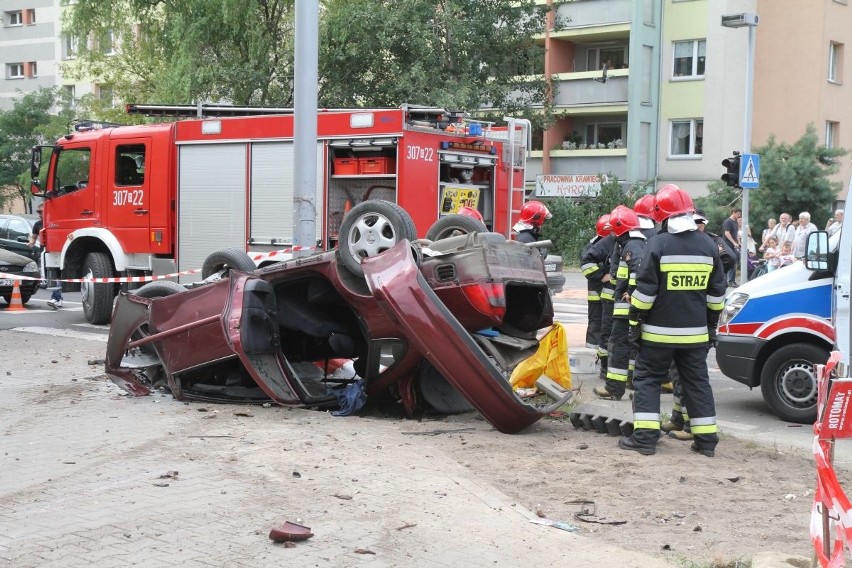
(750, 171)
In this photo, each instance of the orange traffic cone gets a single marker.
(16, 304)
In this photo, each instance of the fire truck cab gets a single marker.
(128, 201)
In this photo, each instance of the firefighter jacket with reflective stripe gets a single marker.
(628, 264)
(594, 261)
(608, 291)
(680, 286)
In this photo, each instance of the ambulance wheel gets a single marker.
(97, 298)
(454, 224)
(227, 258)
(788, 381)
(370, 228)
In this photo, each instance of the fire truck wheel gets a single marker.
(97, 298)
(370, 228)
(227, 258)
(788, 381)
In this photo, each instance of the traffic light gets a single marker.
(732, 164)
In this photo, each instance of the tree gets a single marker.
(373, 53)
(27, 124)
(793, 178)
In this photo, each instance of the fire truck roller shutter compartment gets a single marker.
(212, 202)
(272, 189)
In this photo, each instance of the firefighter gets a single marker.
(625, 226)
(644, 208)
(679, 294)
(607, 303)
(533, 215)
(594, 264)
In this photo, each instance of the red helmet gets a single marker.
(470, 212)
(672, 200)
(534, 213)
(645, 206)
(602, 227)
(623, 219)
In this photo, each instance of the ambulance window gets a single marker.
(72, 170)
(130, 165)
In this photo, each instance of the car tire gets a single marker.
(97, 298)
(454, 224)
(233, 258)
(788, 381)
(25, 297)
(370, 228)
(159, 289)
(437, 391)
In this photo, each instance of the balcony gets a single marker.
(583, 162)
(581, 89)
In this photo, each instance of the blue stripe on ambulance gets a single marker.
(815, 300)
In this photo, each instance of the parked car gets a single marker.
(15, 231)
(442, 321)
(11, 265)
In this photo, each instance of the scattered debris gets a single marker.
(343, 496)
(297, 474)
(562, 525)
(588, 514)
(289, 532)
(436, 432)
(161, 485)
(245, 414)
(96, 361)
(364, 551)
(733, 478)
(697, 528)
(169, 475)
(406, 526)
(69, 463)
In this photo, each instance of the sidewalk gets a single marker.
(581, 358)
(94, 478)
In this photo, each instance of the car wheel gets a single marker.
(370, 228)
(141, 357)
(234, 258)
(439, 393)
(454, 224)
(788, 381)
(97, 298)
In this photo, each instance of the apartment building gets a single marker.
(671, 104)
(33, 49)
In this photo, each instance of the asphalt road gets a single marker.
(740, 410)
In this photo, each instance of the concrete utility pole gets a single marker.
(306, 62)
(750, 21)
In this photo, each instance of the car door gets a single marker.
(128, 186)
(17, 237)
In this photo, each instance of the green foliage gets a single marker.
(373, 53)
(27, 124)
(573, 222)
(793, 178)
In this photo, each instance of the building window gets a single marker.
(105, 94)
(106, 43)
(835, 62)
(831, 134)
(31, 20)
(687, 137)
(69, 47)
(15, 71)
(606, 133)
(614, 57)
(689, 58)
(32, 69)
(14, 18)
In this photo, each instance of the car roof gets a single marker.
(31, 219)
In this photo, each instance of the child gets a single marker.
(771, 254)
(786, 256)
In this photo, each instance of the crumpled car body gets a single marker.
(465, 308)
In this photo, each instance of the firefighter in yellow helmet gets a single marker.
(679, 295)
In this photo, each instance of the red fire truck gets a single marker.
(125, 201)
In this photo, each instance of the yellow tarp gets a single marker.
(550, 359)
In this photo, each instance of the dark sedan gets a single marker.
(13, 265)
(436, 320)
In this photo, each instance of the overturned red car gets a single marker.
(440, 322)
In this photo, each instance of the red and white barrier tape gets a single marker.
(831, 505)
(151, 278)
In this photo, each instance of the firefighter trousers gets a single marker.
(619, 357)
(652, 370)
(595, 310)
(680, 415)
(606, 329)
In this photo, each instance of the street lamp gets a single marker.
(743, 20)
